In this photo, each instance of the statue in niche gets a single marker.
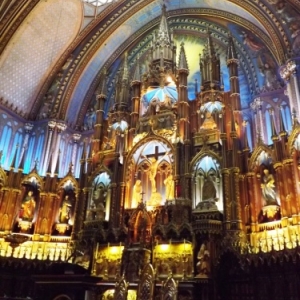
(169, 183)
(167, 103)
(208, 191)
(99, 199)
(209, 122)
(65, 211)
(153, 108)
(137, 193)
(268, 188)
(203, 264)
(28, 207)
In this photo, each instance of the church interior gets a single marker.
(150, 149)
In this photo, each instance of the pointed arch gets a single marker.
(207, 190)
(146, 285)
(68, 180)
(147, 166)
(121, 289)
(34, 179)
(169, 289)
(292, 140)
(257, 152)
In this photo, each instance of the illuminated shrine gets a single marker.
(150, 150)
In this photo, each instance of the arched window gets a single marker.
(268, 126)
(77, 160)
(39, 148)
(29, 153)
(17, 141)
(4, 144)
(65, 157)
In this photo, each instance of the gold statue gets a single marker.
(65, 211)
(209, 122)
(28, 207)
(169, 183)
(137, 193)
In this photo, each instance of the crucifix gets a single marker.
(154, 161)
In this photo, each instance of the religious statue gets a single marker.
(65, 210)
(203, 264)
(153, 170)
(137, 193)
(208, 191)
(268, 188)
(28, 207)
(99, 198)
(209, 122)
(169, 183)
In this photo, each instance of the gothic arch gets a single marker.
(100, 169)
(207, 190)
(261, 148)
(149, 138)
(292, 139)
(204, 152)
(34, 179)
(65, 180)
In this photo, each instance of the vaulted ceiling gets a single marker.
(53, 51)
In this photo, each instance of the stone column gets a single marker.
(60, 128)
(51, 126)
(288, 74)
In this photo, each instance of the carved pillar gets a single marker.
(281, 190)
(227, 198)
(134, 116)
(251, 197)
(288, 74)
(60, 128)
(236, 217)
(80, 210)
(96, 141)
(290, 190)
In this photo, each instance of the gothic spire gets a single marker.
(182, 63)
(210, 66)
(231, 51)
(163, 35)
